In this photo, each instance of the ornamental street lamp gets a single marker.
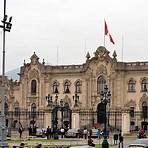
(49, 100)
(105, 98)
(56, 106)
(6, 25)
(76, 99)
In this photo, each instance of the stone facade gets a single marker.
(127, 82)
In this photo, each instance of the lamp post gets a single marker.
(56, 106)
(6, 25)
(76, 99)
(105, 98)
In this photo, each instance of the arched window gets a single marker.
(131, 86)
(33, 110)
(144, 85)
(78, 87)
(144, 110)
(33, 87)
(66, 87)
(100, 84)
(55, 87)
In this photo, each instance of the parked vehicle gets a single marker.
(139, 143)
(72, 133)
(41, 132)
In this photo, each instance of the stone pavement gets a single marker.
(73, 141)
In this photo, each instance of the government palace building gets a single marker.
(70, 96)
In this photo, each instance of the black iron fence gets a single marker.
(25, 118)
(88, 119)
(137, 119)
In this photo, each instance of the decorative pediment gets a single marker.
(131, 103)
(16, 104)
(101, 52)
(33, 74)
(34, 59)
(67, 100)
(101, 70)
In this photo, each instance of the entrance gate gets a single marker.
(61, 117)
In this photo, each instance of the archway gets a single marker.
(101, 108)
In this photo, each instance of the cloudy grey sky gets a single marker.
(74, 27)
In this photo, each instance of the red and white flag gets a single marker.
(111, 39)
(106, 32)
(105, 28)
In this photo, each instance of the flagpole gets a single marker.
(104, 32)
(57, 55)
(85, 47)
(122, 46)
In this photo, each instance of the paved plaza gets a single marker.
(128, 139)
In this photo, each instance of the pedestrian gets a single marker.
(38, 146)
(90, 142)
(98, 133)
(48, 131)
(30, 130)
(90, 133)
(120, 140)
(21, 145)
(85, 133)
(62, 132)
(34, 130)
(115, 139)
(20, 130)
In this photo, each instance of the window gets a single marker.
(55, 87)
(77, 87)
(33, 87)
(100, 84)
(16, 111)
(131, 86)
(144, 85)
(132, 112)
(66, 87)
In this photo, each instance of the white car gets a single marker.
(41, 132)
(139, 143)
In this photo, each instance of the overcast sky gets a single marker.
(74, 27)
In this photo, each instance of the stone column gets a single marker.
(48, 118)
(125, 123)
(75, 119)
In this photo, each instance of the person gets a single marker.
(90, 142)
(85, 133)
(34, 130)
(30, 130)
(20, 130)
(48, 132)
(90, 133)
(38, 146)
(141, 133)
(62, 132)
(120, 140)
(98, 133)
(21, 145)
(115, 139)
